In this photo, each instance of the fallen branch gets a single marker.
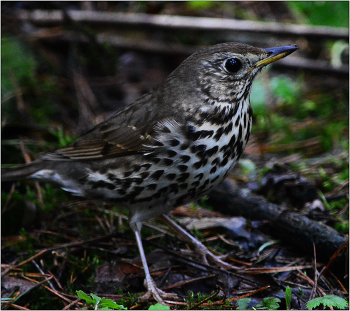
(183, 23)
(296, 230)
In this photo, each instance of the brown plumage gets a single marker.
(169, 147)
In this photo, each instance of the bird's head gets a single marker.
(225, 72)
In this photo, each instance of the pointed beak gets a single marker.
(274, 54)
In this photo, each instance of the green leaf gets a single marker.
(159, 306)
(84, 296)
(327, 301)
(269, 303)
(243, 303)
(108, 304)
(288, 296)
(96, 298)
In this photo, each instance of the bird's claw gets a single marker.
(156, 293)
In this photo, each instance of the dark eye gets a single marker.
(232, 65)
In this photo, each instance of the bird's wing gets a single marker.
(128, 132)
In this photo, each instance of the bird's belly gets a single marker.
(156, 183)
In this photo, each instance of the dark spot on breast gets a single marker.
(185, 158)
(184, 146)
(219, 133)
(182, 168)
(213, 170)
(170, 176)
(232, 140)
(174, 142)
(137, 190)
(136, 168)
(174, 188)
(155, 160)
(199, 176)
(239, 138)
(151, 187)
(183, 177)
(224, 162)
(127, 174)
(183, 186)
(216, 161)
(228, 129)
(156, 175)
(144, 175)
(158, 143)
(195, 184)
(224, 148)
(146, 166)
(172, 153)
(247, 136)
(167, 162)
(198, 148)
(197, 165)
(137, 181)
(212, 151)
(237, 120)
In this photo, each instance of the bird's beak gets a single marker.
(274, 54)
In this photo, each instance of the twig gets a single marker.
(24, 262)
(218, 289)
(28, 160)
(250, 293)
(67, 307)
(313, 292)
(42, 272)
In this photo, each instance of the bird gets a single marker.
(169, 147)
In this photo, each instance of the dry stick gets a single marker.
(17, 307)
(23, 262)
(194, 307)
(28, 160)
(42, 272)
(4, 208)
(31, 288)
(339, 283)
(183, 23)
(334, 256)
(67, 307)
(249, 294)
(301, 275)
(55, 292)
(313, 292)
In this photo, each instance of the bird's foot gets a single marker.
(156, 293)
(206, 255)
(199, 247)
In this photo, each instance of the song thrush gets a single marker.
(169, 147)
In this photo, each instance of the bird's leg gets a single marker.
(199, 247)
(149, 283)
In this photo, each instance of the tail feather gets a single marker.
(21, 172)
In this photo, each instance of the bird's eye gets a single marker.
(233, 65)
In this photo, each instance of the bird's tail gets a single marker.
(21, 172)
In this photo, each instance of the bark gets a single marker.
(294, 229)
